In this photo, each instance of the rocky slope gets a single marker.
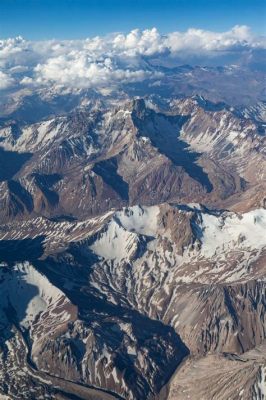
(118, 301)
(194, 151)
(132, 250)
(222, 377)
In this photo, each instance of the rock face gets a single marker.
(118, 301)
(130, 154)
(223, 377)
(132, 252)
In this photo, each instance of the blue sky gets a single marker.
(72, 19)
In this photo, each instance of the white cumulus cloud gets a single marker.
(103, 62)
(6, 81)
(77, 69)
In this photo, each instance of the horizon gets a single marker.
(80, 19)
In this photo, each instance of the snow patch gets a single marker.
(27, 291)
(142, 220)
(121, 238)
(221, 234)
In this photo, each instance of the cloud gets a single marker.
(146, 43)
(103, 62)
(6, 81)
(79, 70)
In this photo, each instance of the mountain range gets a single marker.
(133, 240)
